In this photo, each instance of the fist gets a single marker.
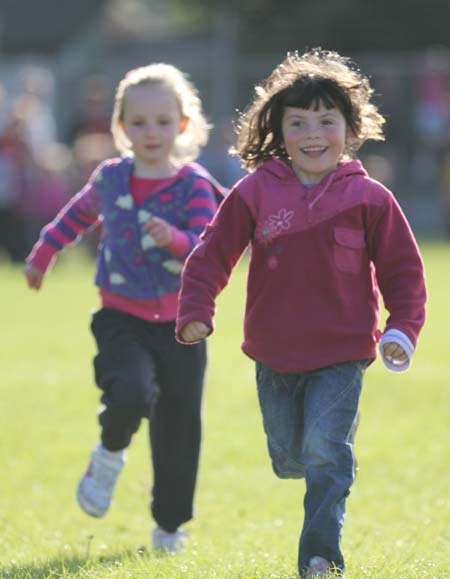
(34, 276)
(394, 353)
(160, 230)
(194, 332)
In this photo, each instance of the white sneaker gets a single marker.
(319, 567)
(96, 487)
(172, 542)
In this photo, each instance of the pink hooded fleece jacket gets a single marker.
(320, 256)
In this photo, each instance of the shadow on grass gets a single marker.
(69, 566)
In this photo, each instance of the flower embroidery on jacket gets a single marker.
(275, 225)
(147, 241)
(272, 262)
(144, 216)
(280, 221)
(125, 201)
(116, 278)
(173, 266)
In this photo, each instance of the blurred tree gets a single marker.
(264, 25)
(344, 25)
(43, 26)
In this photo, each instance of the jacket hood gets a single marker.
(187, 170)
(281, 169)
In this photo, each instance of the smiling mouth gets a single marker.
(313, 150)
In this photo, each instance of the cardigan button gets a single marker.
(156, 316)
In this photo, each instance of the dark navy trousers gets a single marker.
(144, 372)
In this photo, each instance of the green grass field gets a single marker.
(247, 521)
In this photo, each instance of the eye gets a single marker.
(137, 123)
(164, 122)
(327, 122)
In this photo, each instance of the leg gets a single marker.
(331, 411)
(125, 372)
(281, 399)
(175, 428)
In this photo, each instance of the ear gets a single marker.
(183, 124)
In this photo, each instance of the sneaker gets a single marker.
(96, 487)
(319, 567)
(172, 542)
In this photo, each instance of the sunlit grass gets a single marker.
(247, 521)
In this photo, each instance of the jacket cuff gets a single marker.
(393, 335)
(42, 256)
(180, 244)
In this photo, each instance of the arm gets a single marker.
(401, 279)
(209, 267)
(201, 208)
(79, 215)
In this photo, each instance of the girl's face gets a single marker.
(152, 121)
(315, 140)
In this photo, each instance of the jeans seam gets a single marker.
(278, 447)
(329, 408)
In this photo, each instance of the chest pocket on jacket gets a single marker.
(349, 247)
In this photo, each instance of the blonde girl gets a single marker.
(153, 202)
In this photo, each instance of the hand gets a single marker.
(34, 276)
(160, 230)
(194, 332)
(394, 353)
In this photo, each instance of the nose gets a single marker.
(150, 129)
(312, 131)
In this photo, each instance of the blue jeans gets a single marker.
(310, 420)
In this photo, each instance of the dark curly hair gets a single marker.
(305, 81)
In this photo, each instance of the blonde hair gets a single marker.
(189, 142)
(305, 81)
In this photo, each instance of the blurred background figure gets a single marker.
(216, 156)
(432, 107)
(34, 106)
(15, 155)
(59, 67)
(431, 117)
(34, 166)
(380, 168)
(93, 107)
(445, 191)
(48, 187)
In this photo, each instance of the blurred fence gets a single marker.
(54, 121)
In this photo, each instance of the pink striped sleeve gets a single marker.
(79, 215)
(202, 202)
(201, 208)
(42, 256)
(180, 243)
